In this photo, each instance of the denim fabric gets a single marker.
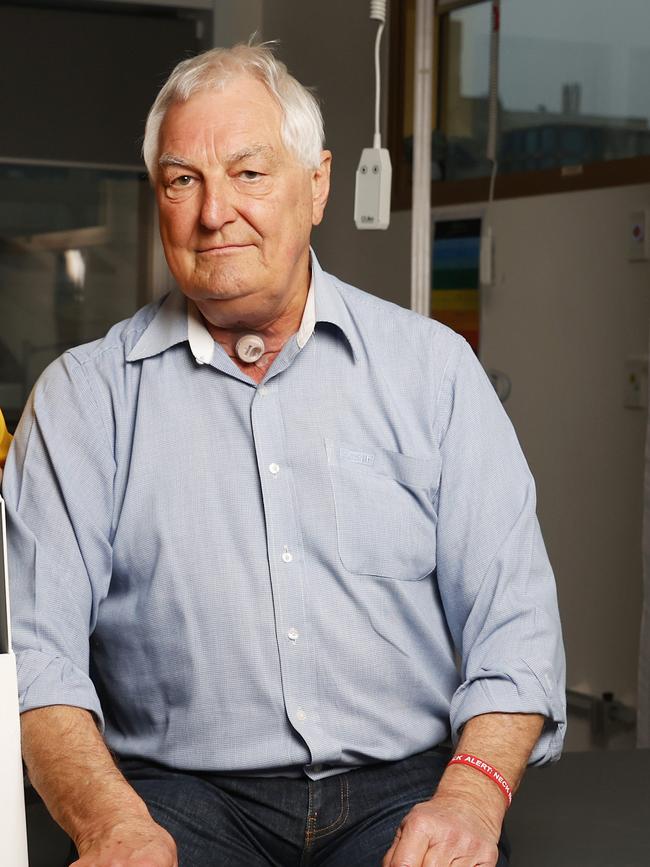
(348, 820)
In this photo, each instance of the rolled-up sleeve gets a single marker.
(58, 492)
(495, 579)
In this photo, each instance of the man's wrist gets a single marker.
(112, 824)
(92, 809)
(475, 763)
(475, 792)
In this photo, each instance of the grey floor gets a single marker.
(590, 810)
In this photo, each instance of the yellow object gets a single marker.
(5, 440)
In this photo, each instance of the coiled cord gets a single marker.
(378, 10)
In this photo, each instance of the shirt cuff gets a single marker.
(52, 680)
(517, 687)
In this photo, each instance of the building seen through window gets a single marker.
(572, 96)
(572, 86)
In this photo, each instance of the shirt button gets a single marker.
(263, 391)
(301, 715)
(293, 634)
(287, 556)
(274, 468)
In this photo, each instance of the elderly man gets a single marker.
(274, 538)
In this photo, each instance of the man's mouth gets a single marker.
(222, 249)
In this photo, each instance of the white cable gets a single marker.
(493, 180)
(378, 10)
(377, 139)
(486, 261)
(493, 100)
(374, 172)
(378, 13)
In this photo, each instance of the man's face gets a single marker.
(236, 208)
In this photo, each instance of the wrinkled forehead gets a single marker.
(216, 124)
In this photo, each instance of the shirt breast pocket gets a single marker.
(385, 510)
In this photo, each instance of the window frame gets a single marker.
(564, 179)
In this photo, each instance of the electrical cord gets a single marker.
(378, 13)
(493, 180)
(486, 268)
(493, 110)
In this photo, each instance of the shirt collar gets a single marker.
(330, 306)
(167, 328)
(308, 317)
(200, 340)
(178, 320)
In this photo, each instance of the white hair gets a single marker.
(302, 122)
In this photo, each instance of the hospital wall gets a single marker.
(564, 313)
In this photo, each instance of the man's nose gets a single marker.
(217, 207)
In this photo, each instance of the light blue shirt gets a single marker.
(337, 566)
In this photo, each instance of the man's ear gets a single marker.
(320, 187)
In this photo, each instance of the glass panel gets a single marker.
(72, 247)
(573, 85)
(459, 150)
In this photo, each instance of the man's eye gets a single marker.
(249, 175)
(182, 181)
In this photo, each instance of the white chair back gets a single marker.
(13, 832)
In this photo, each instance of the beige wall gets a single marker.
(566, 310)
(236, 20)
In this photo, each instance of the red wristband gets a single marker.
(470, 761)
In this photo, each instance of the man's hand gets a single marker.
(461, 824)
(143, 844)
(71, 768)
(443, 831)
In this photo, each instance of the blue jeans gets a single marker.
(344, 821)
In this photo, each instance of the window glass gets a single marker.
(72, 248)
(573, 85)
